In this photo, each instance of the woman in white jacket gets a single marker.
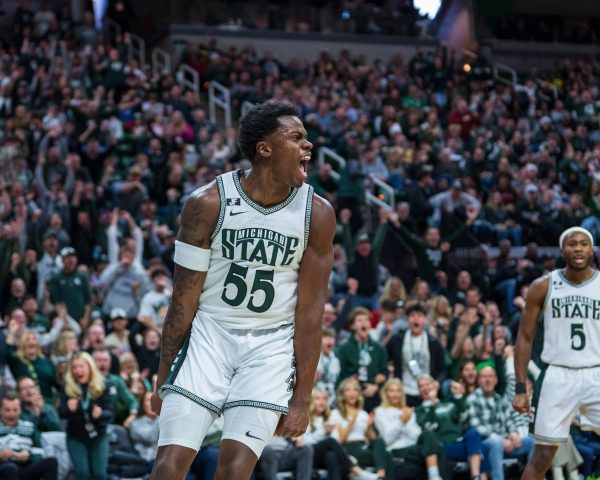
(328, 453)
(354, 428)
(403, 437)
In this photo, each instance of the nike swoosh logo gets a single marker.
(248, 434)
(231, 214)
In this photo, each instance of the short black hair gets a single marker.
(416, 307)
(261, 121)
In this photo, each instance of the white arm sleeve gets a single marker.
(189, 256)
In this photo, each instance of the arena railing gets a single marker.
(246, 106)
(218, 96)
(112, 28)
(386, 199)
(328, 155)
(161, 62)
(500, 68)
(136, 49)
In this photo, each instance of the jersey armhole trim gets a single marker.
(221, 189)
(308, 215)
(547, 293)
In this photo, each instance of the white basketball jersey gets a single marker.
(572, 322)
(255, 256)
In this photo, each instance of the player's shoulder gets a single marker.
(204, 199)
(322, 222)
(322, 211)
(539, 288)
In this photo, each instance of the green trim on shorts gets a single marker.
(535, 400)
(200, 401)
(548, 440)
(257, 404)
(178, 362)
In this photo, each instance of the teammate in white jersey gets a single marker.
(257, 245)
(568, 302)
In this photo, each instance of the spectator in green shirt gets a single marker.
(124, 402)
(27, 360)
(363, 358)
(71, 287)
(35, 409)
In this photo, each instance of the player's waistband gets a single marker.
(573, 368)
(257, 332)
(233, 328)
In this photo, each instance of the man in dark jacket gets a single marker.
(414, 353)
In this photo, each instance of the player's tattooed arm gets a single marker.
(198, 220)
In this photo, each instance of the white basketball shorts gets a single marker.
(559, 394)
(220, 368)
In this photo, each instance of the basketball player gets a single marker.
(242, 335)
(569, 302)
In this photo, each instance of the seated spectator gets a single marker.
(118, 340)
(497, 423)
(415, 353)
(86, 405)
(155, 303)
(64, 348)
(363, 260)
(354, 429)
(283, 454)
(328, 453)
(402, 436)
(20, 445)
(125, 404)
(28, 360)
(363, 358)
(328, 368)
(468, 377)
(35, 409)
(144, 432)
(148, 352)
(95, 339)
(446, 419)
(130, 373)
(389, 323)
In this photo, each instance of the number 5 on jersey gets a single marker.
(577, 336)
(236, 277)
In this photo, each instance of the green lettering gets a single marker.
(555, 308)
(576, 311)
(227, 243)
(275, 250)
(244, 244)
(259, 254)
(290, 251)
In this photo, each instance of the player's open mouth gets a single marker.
(303, 164)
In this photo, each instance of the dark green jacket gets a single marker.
(349, 355)
(444, 419)
(47, 421)
(124, 402)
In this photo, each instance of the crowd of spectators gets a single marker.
(540, 28)
(377, 17)
(97, 157)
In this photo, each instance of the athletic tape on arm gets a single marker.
(189, 256)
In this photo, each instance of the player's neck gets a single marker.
(578, 276)
(263, 188)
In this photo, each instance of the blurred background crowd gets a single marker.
(97, 156)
